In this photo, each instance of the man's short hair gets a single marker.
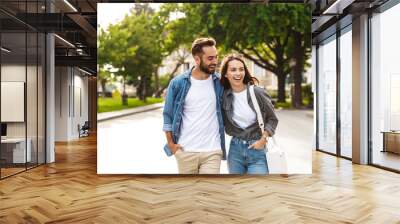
(199, 43)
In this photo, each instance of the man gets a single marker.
(192, 114)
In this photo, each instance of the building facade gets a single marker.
(357, 81)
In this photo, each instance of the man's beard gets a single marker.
(206, 69)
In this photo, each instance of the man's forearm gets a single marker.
(170, 140)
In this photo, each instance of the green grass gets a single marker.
(285, 105)
(115, 103)
(288, 103)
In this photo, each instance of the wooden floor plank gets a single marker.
(70, 191)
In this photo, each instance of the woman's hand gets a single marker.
(259, 145)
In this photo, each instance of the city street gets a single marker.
(134, 144)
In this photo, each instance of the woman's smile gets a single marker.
(237, 77)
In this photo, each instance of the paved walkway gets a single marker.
(134, 144)
(117, 114)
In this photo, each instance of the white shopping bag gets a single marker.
(276, 158)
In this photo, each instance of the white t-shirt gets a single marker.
(200, 129)
(243, 115)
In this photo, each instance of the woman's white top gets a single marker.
(243, 115)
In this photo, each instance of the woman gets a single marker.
(246, 149)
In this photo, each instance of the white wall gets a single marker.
(33, 126)
(12, 100)
(62, 81)
(170, 61)
(80, 94)
(12, 73)
(267, 79)
(71, 102)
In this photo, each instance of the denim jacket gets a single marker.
(173, 107)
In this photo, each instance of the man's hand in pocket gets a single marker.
(174, 148)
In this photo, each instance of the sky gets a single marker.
(110, 13)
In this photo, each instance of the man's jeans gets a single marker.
(242, 160)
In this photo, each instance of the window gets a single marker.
(385, 88)
(327, 95)
(346, 92)
(22, 68)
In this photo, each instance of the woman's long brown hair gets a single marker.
(248, 78)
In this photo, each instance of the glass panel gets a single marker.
(346, 93)
(385, 86)
(23, 79)
(41, 98)
(32, 113)
(327, 95)
(13, 87)
(31, 85)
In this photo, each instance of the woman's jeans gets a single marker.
(242, 160)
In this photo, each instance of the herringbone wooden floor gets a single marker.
(70, 191)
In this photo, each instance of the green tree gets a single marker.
(141, 66)
(301, 51)
(177, 36)
(263, 34)
(104, 77)
(131, 46)
(115, 50)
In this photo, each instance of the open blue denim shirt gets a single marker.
(173, 107)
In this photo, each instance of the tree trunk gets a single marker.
(139, 90)
(171, 76)
(124, 96)
(157, 81)
(297, 100)
(145, 89)
(281, 87)
(103, 86)
(142, 88)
